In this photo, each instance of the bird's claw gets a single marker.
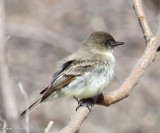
(86, 103)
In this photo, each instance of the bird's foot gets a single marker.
(85, 102)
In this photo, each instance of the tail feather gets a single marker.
(33, 106)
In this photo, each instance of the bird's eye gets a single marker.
(106, 42)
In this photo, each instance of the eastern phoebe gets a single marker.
(85, 73)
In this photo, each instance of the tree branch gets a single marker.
(8, 99)
(136, 74)
(127, 86)
(137, 4)
(76, 121)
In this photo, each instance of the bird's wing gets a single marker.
(61, 68)
(68, 72)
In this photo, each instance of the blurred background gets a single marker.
(41, 32)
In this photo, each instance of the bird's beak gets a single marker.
(117, 44)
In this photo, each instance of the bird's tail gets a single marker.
(33, 106)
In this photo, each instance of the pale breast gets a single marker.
(100, 79)
(91, 83)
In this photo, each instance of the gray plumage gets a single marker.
(85, 73)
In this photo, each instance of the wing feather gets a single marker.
(66, 75)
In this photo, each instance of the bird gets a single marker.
(83, 74)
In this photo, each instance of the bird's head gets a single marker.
(102, 41)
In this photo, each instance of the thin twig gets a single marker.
(22, 90)
(132, 80)
(49, 126)
(137, 4)
(76, 120)
(4, 127)
(11, 112)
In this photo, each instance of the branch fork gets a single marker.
(152, 45)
